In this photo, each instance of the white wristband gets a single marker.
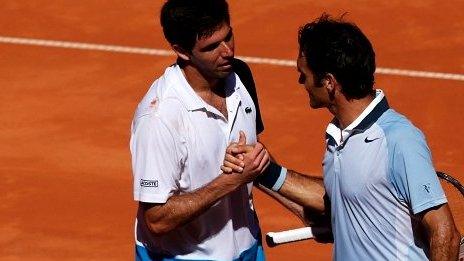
(280, 181)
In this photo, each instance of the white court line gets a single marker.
(162, 52)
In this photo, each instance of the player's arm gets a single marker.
(180, 209)
(289, 187)
(442, 235)
(308, 216)
(417, 184)
(308, 191)
(295, 208)
(234, 162)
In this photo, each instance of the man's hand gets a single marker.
(246, 160)
(233, 160)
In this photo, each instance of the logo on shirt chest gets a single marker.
(367, 140)
(149, 183)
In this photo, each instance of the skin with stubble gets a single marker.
(210, 60)
(208, 64)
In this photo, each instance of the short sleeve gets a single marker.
(156, 163)
(413, 174)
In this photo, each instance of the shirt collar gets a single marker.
(370, 114)
(189, 97)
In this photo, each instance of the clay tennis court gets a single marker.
(66, 182)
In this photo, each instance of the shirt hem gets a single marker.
(150, 198)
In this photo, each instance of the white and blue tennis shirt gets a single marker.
(378, 174)
(178, 144)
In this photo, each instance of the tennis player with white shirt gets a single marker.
(379, 188)
(188, 209)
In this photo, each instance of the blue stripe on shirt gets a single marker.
(255, 253)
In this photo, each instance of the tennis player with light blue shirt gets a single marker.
(378, 174)
(379, 191)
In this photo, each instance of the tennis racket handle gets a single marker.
(275, 238)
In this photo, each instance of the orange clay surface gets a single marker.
(66, 182)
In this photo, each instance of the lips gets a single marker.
(225, 67)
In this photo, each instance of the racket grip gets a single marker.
(275, 238)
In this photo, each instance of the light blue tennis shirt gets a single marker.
(378, 175)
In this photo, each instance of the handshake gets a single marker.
(248, 163)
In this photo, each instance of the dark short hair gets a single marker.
(185, 21)
(341, 49)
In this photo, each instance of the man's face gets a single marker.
(318, 95)
(212, 55)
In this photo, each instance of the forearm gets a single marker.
(296, 191)
(307, 191)
(444, 245)
(180, 209)
(442, 234)
(290, 205)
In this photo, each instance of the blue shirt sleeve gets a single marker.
(412, 172)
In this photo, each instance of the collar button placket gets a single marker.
(232, 106)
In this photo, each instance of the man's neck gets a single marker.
(210, 90)
(347, 111)
(199, 82)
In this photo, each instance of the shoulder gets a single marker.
(403, 139)
(160, 103)
(243, 71)
(398, 129)
(161, 89)
(240, 66)
(167, 111)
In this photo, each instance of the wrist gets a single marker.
(228, 182)
(273, 177)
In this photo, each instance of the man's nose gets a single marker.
(227, 50)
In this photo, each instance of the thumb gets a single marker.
(242, 138)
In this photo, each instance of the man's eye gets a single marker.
(229, 37)
(210, 47)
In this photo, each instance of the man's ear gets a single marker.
(181, 52)
(330, 83)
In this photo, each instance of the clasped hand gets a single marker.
(248, 161)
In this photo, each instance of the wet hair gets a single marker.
(186, 21)
(341, 49)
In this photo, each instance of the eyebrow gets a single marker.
(214, 44)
